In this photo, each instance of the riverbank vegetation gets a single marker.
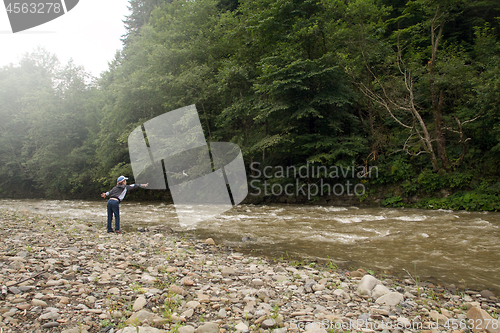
(411, 87)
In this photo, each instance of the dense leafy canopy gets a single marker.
(411, 86)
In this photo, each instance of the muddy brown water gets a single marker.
(440, 246)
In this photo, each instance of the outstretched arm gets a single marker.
(134, 187)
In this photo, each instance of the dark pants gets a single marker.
(113, 208)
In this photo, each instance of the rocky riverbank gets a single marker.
(69, 276)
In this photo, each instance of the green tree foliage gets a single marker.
(47, 115)
(410, 86)
(140, 13)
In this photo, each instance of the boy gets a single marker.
(116, 195)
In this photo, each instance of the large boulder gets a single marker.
(366, 285)
(483, 322)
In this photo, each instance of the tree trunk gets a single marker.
(439, 131)
(437, 98)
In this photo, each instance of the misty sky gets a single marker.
(89, 33)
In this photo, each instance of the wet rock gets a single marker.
(356, 274)
(487, 294)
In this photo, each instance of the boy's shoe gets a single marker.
(109, 231)
(118, 232)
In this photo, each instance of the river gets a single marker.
(439, 246)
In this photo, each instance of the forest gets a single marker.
(409, 86)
